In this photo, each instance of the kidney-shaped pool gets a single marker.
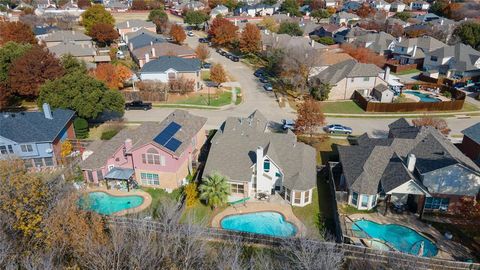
(107, 204)
(400, 237)
(269, 223)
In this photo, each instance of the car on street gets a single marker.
(264, 79)
(288, 124)
(203, 40)
(206, 65)
(259, 72)
(138, 105)
(190, 34)
(268, 87)
(234, 58)
(459, 85)
(336, 128)
(473, 88)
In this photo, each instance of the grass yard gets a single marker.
(326, 148)
(125, 16)
(216, 100)
(205, 75)
(157, 196)
(200, 213)
(349, 210)
(409, 71)
(348, 106)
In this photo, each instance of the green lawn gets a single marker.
(409, 71)
(157, 196)
(201, 213)
(216, 100)
(205, 74)
(310, 216)
(348, 106)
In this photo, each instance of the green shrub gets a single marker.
(108, 134)
(447, 94)
(81, 128)
(326, 40)
(415, 87)
(177, 193)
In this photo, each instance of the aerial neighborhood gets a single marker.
(249, 134)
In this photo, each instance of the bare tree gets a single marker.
(305, 254)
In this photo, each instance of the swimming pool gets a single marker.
(269, 223)
(106, 204)
(423, 97)
(400, 237)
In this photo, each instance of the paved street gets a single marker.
(254, 97)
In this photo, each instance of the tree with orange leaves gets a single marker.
(103, 33)
(365, 11)
(310, 117)
(177, 33)
(437, 123)
(112, 75)
(363, 55)
(223, 31)
(16, 31)
(250, 40)
(202, 52)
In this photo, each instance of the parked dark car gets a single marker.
(234, 58)
(203, 40)
(206, 65)
(288, 124)
(473, 88)
(338, 129)
(264, 79)
(138, 105)
(459, 85)
(268, 87)
(259, 72)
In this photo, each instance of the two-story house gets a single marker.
(419, 5)
(255, 10)
(412, 50)
(133, 26)
(380, 5)
(35, 137)
(397, 6)
(142, 38)
(346, 77)
(414, 166)
(159, 155)
(257, 160)
(169, 68)
(458, 61)
(381, 43)
(470, 145)
(344, 18)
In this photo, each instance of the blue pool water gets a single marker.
(107, 204)
(269, 223)
(423, 97)
(400, 237)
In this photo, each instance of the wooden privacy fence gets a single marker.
(349, 251)
(458, 99)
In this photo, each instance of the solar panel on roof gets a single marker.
(167, 133)
(165, 137)
(173, 144)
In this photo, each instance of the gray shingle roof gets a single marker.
(134, 23)
(163, 63)
(66, 36)
(33, 126)
(73, 49)
(425, 43)
(145, 38)
(347, 69)
(377, 42)
(144, 134)
(473, 132)
(375, 163)
(232, 152)
(163, 49)
(465, 57)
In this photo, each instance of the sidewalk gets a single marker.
(459, 114)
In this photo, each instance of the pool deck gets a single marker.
(446, 248)
(252, 207)
(147, 199)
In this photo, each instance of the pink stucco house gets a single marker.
(154, 154)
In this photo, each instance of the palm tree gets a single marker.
(214, 190)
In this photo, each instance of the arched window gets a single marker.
(266, 165)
